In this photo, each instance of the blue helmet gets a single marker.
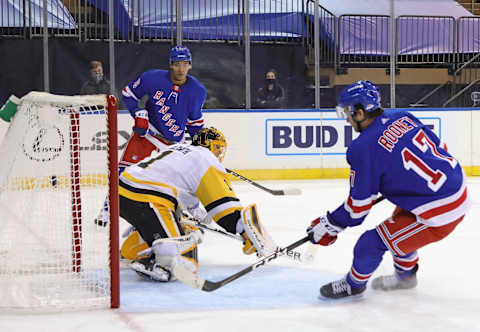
(364, 93)
(180, 53)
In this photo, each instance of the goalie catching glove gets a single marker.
(256, 239)
(197, 213)
(324, 230)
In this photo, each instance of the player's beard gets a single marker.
(355, 125)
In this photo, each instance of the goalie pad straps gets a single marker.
(254, 233)
(171, 251)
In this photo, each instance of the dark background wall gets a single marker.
(220, 67)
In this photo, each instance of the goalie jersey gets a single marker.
(171, 108)
(182, 175)
(403, 160)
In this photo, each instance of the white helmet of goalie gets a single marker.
(212, 139)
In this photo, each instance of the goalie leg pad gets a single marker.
(254, 233)
(133, 245)
(179, 250)
(164, 254)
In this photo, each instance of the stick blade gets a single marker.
(188, 277)
(210, 286)
(195, 281)
(310, 253)
(292, 191)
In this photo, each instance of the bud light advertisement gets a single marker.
(328, 136)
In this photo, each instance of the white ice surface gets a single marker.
(282, 296)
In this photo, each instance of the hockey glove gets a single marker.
(199, 213)
(255, 236)
(194, 229)
(141, 122)
(248, 247)
(323, 231)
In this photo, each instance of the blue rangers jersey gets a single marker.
(403, 160)
(171, 108)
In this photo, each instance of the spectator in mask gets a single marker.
(96, 84)
(271, 95)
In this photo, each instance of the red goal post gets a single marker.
(60, 164)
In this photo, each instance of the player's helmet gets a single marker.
(364, 93)
(212, 139)
(180, 53)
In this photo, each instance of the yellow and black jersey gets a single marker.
(183, 174)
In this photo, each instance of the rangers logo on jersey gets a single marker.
(158, 95)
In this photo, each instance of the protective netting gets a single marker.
(53, 184)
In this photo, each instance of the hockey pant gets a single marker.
(152, 221)
(402, 235)
(139, 148)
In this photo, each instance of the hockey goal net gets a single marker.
(59, 165)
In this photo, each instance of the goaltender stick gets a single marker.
(182, 176)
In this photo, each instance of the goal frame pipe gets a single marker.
(112, 107)
(75, 190)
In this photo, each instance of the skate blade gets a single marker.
(348, 299)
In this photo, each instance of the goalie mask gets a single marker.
(212, 139)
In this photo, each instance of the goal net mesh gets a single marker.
(54, 180)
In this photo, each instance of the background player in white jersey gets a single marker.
(399, 157)
(181, 176)
(173, 105)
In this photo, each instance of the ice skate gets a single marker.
(339, 289)
(396, 281)
(148, 269)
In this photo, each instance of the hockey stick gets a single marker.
(378, 200)
(279, 192)
(312, 249)
(196, 223)
(295, 255)
(195, 281)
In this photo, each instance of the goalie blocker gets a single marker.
(256, 238)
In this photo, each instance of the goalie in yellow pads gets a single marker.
(181, 177)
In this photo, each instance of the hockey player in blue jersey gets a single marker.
(174, 104)
(398, 157)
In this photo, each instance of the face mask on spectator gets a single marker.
(270, 80)
(98, 77)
